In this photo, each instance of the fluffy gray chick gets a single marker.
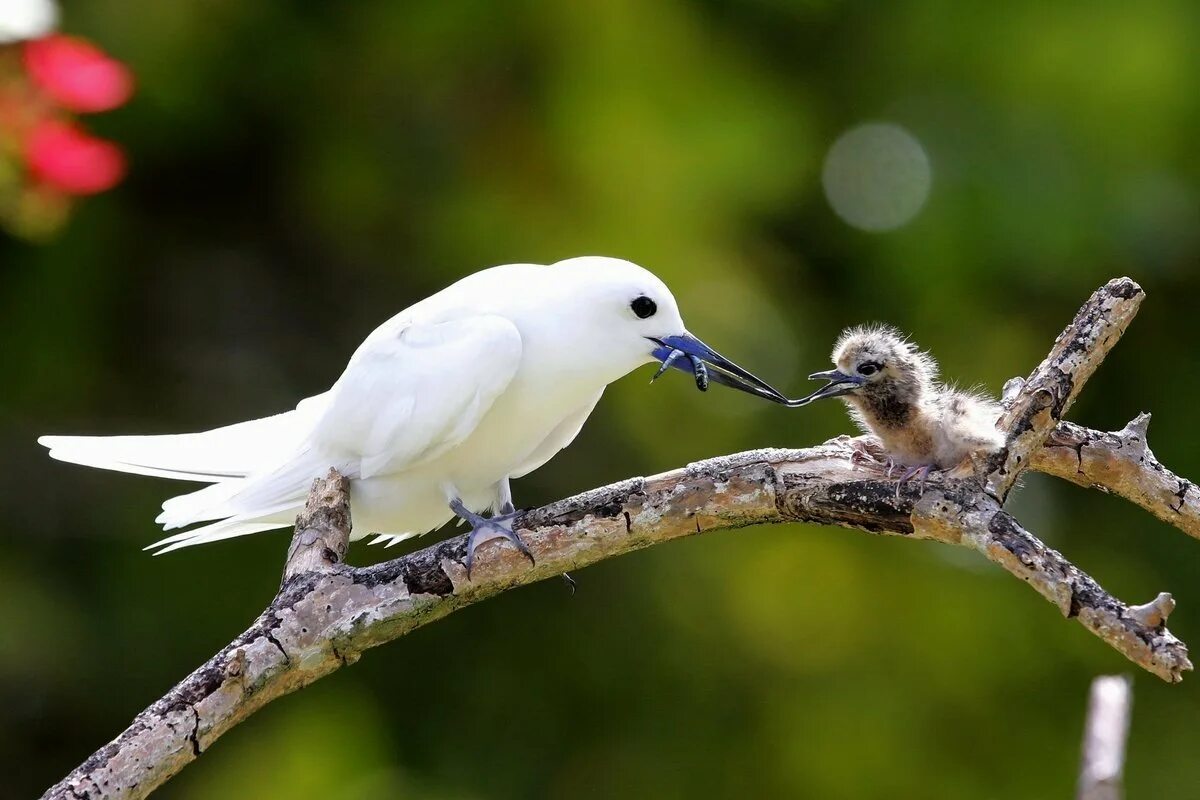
(892, 391)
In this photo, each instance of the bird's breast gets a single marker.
(520, 420)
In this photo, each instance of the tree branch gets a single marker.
(322, 531)
(1050, 390)
(1104, 735)
(1121, 463)
(321, 621)
(326, 614)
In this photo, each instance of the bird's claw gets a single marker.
(867, 453)
(860, 458)
(484, 529)
(922, 471)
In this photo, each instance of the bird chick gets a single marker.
(892, 392)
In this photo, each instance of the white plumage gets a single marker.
(479, 383)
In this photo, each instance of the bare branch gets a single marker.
(1156, 612)
(1121, 462)
(1105, 731)
(323, 620)
(1050, 390)
(975, 520)
(322, 531)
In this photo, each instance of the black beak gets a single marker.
(839, 384)
(689, 354)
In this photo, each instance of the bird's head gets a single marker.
(875, 363)
(632, 318)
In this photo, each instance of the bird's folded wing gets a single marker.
(412, 394)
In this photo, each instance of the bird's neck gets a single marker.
(886, 409)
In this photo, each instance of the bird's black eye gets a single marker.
(869, 368)
(643, 306)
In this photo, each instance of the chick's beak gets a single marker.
(687, 353)
(839, 384)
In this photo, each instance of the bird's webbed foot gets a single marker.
(920, 471)
(484, 529)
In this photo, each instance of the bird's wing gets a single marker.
(563, 434)
(411, 395)
(969, 421)
(411, 392)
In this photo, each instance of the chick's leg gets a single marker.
(921, 470)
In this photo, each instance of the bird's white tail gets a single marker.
(221, 454)
(260, 502)
(270, 491)
(225, 529)
(250, 492)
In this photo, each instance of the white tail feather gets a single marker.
(221, 454)
(274, 492)
(199, 506)
(225, 529)
(83, 450)
(392, 539)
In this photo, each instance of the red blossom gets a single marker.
(62, 156)
(76, 74)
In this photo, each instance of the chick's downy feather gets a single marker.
(898, 399)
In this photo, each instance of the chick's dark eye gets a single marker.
(643, 306)
(869, 368)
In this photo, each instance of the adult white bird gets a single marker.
(438, 409)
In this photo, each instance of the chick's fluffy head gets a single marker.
(895, 359)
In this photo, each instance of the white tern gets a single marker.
(436, 411)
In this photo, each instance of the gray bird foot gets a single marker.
(922, 471)
(484, 529)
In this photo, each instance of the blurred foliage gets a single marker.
(47, 157)
(301, 171)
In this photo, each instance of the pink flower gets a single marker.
(77, 75)
(62, 156)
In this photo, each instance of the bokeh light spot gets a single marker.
(876, 177)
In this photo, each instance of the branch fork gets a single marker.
(327, 613)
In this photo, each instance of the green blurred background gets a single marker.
(301, 171)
